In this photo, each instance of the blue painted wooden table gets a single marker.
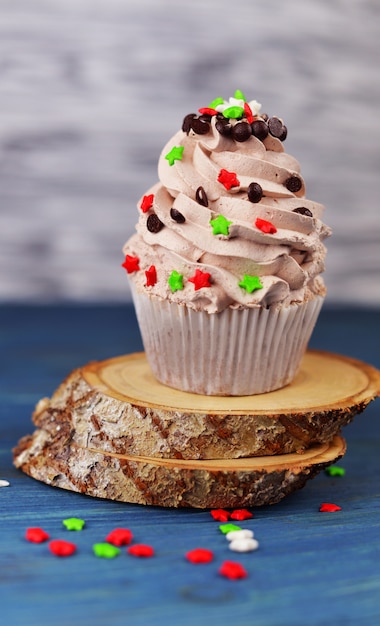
(311, 568)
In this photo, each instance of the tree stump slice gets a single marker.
(112, 431)
(117, 406)
(222, 483)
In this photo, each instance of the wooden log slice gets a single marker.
(171, 482)
(117, 406)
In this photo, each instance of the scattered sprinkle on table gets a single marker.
(60, 547)
(120, 537)
(36, 535)
(335, 470)
(244, 533)
(105, 550)
(244, 544)
(329, 507)
(73, 523)
(200, 555)
(233, 570)
(141, 550)
(241, 514)
(4, 483)
(227, 528)
(220, 515)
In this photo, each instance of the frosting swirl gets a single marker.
(228, 224)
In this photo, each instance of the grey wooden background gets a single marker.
(90, 91)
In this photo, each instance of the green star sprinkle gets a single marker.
(175, 281)
(335, 470)
(175, 154)
(250, 283)
(215, 103)
(220, 225)
(233, 112)
(73, 523)
(239, 95)
(228, 528)
(105, 550)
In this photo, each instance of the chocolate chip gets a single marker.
(177, 216)
(200, 127)
(276, 127)
(205, 117)
(241, 131)
(186, 124)
(260, 129)
(264, 116)
(255, 192)
(223, 127)
(201, 196)
(284, 134)
(154, 223)
(303, 211)
(293, 184)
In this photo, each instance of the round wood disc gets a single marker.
(324, 380)
(132, 413)
(170, 482)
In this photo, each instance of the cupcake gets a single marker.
(226, 261)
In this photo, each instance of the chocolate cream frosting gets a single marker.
(230, 204)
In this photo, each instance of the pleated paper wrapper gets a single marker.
(236, 352)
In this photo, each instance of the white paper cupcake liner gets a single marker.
(233, 353)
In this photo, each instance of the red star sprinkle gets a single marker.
(200, 279)
(151, 276)
(131, 264)
(248, 113)
(328, 507)
(36, 535)
(241, 514)
(207, 111)
(228, 179)
(200, 555)
(147, 203)
(220, 515)
(120, 537)
(233, 570)
(265, 227)
(140, 549)
(59, 547)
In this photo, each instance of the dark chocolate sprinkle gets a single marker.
(293, 183)
(303, 211)
(242, 131)
(260, 129)
(177, 216)
(276, 127)
(186, 124)
(255, 192)
(223, 127)
(201, 196)
(200, 127)
(154, 223)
